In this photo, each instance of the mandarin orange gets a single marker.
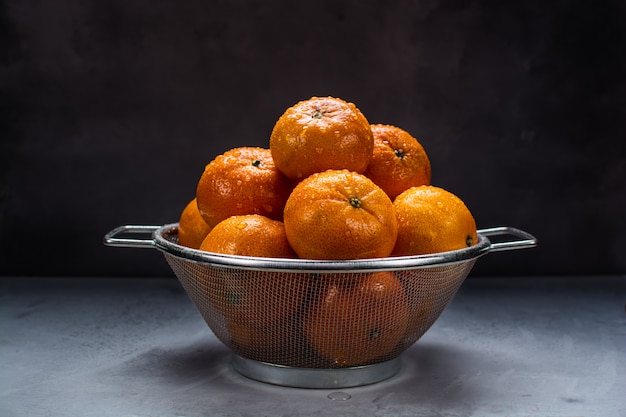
(398, 162)
(318, 134)
(258, 298)
(275, 342)
(338, 214)
(242, 181)
(192, 229)
(255, 298)
(353, 323)
(249, 235)
(431, 220)
(420, 286)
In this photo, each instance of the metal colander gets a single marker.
(311, 323)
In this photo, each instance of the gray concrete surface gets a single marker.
(137, 347)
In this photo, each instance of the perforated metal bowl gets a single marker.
(317, 324)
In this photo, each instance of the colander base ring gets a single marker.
(313, 377)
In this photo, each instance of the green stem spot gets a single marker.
(374, 334)
(256, 163)
(355, 202)
(469, 241)
(399, 153)
(318, 114)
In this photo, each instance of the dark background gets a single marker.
(109, 111)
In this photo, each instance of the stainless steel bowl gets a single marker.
(267, 310)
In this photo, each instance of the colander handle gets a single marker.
(525, 240)
(112, 238)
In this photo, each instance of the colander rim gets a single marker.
(165, 240)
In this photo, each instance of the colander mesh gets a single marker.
(313, 320)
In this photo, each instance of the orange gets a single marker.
(432, 220)
(276, 342)
(398, 162)
(421, 287)
(338, 214)
(321, 133)
(242, 181)
(354, 323)
(258, 298)
(249, 235)
(192, 229)
(255, 298)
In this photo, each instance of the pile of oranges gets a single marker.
(330, 186)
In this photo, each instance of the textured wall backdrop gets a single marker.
(111, 109)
